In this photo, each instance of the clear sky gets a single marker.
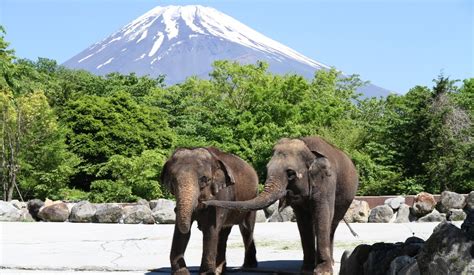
(396, 44)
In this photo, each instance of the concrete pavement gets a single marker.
(72, 248)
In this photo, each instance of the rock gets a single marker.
(83, 211)
(441, 208)
(58, 212)
(456, 215)
(33, 207)
(108, 213)
(8, 212)
(260, 216)
(470, 202)
(49, 202)
(434, 216)
(358, 212)
(453, 200)
(164, 216)
(136, 214)
(25, 216)
(468, 225)
(423, 204)
(399, 263)
(380, 257)
(18, 204)
(410, 269)
(395, 203)
(162, 204)
(271, 209)
(447, 251)
(403, 214)
(354, 262)
(144, 202)
(285, 215)
(381, 213)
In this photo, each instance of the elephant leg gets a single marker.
(305, 227)
(221, 248)
(180, 241)
(209, 252)
(246, 229)
(322, 221)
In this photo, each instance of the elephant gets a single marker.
(319, 182)
(195, 175)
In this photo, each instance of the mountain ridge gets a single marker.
(181, 41)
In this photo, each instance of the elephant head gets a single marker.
(193, 176)
(289, 171)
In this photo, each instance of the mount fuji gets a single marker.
(181, 41)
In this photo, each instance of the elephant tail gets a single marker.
(350, 228)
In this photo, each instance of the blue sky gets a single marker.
(394, 44)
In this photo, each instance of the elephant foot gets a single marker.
(324, 268)
(307, 268)
(220, 268)
(181, 271)
(250, 263)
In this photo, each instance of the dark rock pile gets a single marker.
(449, 250)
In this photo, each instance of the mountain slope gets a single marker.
(180, 41)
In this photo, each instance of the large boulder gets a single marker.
(468, 225)
(34, 206)
(399, 263)
(410, 269)
(136, 214)
(470, 202)
(25, 216)
(18, 204)
(423, 204)
(57, 212)
(452, 200)
(162, 204)
(108, 213)
(381, 214)
(434, 216)
(456, 215)
(164, 215)
(447, 251)
(403, 214)
(395, 203)
(380, 257)
(358, 212)
(285, 215)
(353, 262)
(8, 212)
(144, 202)
(83, 211)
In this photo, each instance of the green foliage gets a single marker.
(140, 173)
(110, 191)
(76, 135)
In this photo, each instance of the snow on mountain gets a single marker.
(180, 41)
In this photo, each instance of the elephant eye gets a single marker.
(203, 181)
(291, 174)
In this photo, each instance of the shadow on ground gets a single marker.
(265, 267)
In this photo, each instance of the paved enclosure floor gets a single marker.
(72, 248)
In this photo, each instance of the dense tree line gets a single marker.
(68, 134)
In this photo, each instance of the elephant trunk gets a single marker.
(186, 202)
(275, 188)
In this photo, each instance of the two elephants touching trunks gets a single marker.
(316, 179)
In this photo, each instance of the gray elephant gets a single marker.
(319, 181)
(200, 174)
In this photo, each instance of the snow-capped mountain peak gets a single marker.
(180, 41)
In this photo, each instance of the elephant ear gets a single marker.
(229, 179)
(320, 165)
(165, 177)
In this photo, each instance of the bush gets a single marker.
(110, 191)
